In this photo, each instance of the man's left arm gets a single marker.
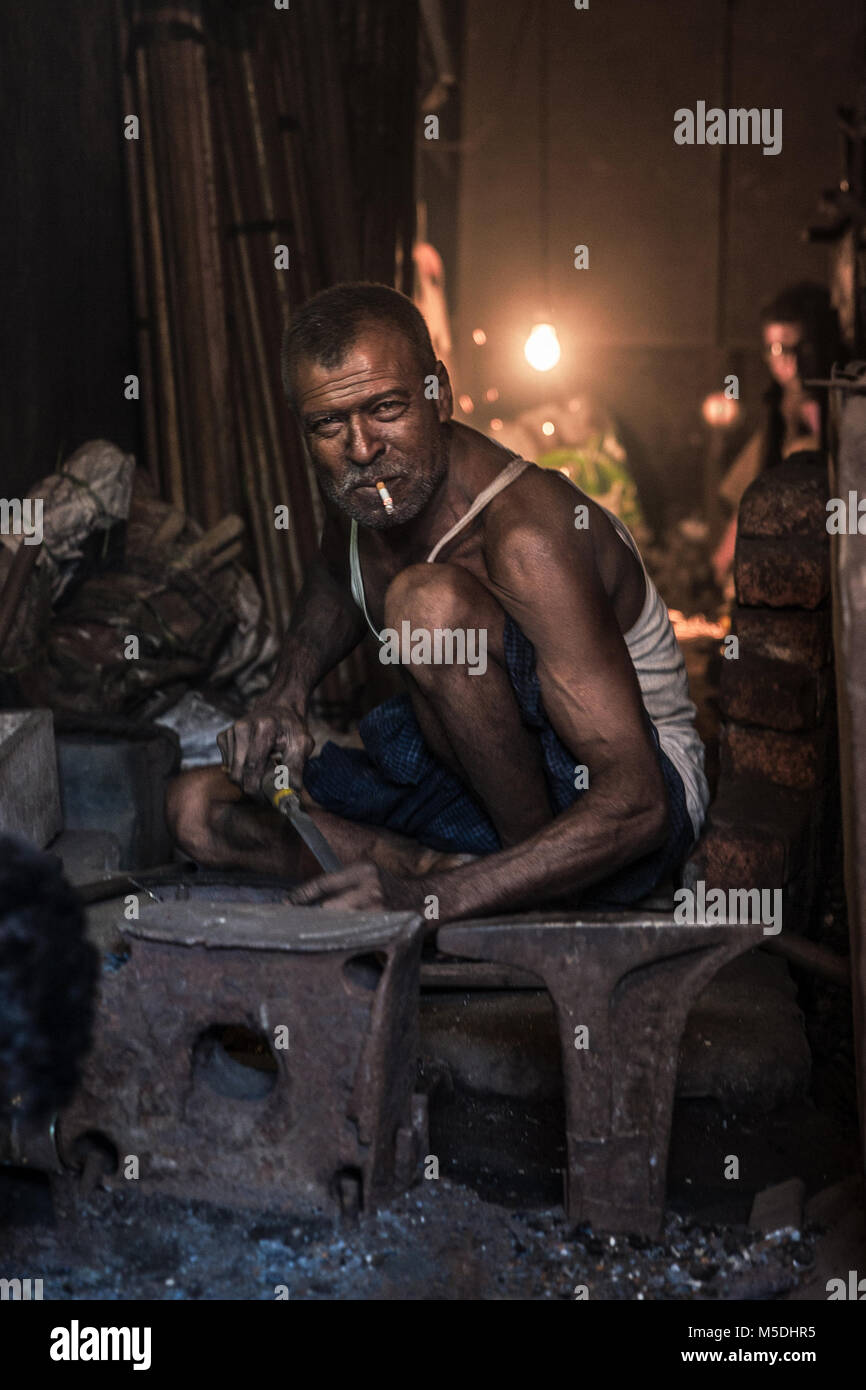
(546, 578)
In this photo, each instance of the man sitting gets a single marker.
(563, 769)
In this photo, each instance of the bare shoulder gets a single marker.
(542, 512)
(544, 535)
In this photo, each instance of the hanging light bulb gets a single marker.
(541, 348)
(719, 410)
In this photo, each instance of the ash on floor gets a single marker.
(440, 1241)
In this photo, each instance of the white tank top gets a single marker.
(651, 643)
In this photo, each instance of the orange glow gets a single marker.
(466, 404)
(479, 336)
(491, 394)
(719, 410)
(541, 348)
(496, 423)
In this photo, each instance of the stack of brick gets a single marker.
(778, 738)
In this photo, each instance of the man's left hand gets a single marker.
(360, 886)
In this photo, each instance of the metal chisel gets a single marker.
(286, 802)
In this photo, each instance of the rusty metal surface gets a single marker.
(631, 980)
(327, 1123)
(848, 554)
(475, 975)
(331, 1123)
(265, 926)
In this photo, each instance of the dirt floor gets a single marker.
(440, 1241)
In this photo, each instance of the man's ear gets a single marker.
(445, 401)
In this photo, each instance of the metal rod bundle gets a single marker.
(259, 128)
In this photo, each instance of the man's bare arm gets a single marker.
(325, 626)
(546, 578)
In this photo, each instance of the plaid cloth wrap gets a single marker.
(395, 781)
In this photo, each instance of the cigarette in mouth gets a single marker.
(387, 501)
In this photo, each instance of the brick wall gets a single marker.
(778, 735)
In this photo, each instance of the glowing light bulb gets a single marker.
(542, 347)
(466, 404)
(496, 423)
(719, 410)
(479, 336)
(548, 427)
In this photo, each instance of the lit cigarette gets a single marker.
(387, 501)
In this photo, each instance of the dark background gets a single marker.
(668, 305)
(670, 302)
(66, 322)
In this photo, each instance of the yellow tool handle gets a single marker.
(306, 828)
(275, 796)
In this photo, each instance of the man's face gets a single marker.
(781, 341)
(368, 420)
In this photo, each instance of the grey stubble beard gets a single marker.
(377, 518)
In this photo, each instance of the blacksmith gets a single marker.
(564, 768)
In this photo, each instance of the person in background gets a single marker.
(800, 337)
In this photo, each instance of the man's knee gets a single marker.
(190, 800)
(431, 596)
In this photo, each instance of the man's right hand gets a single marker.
(268, 733)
